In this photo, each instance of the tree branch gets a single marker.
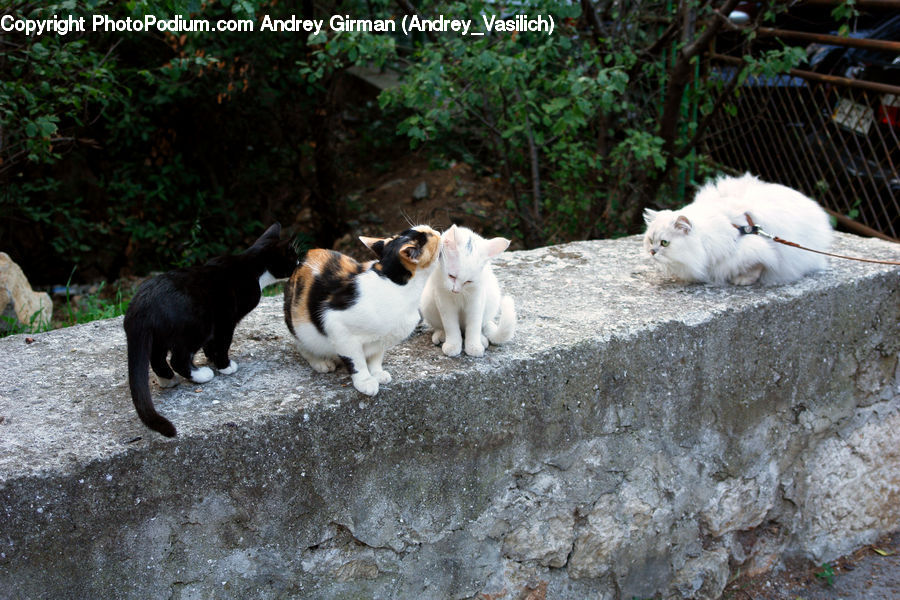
(712, 29)
(680, 76)
(590, 15)
(727, 93)
(704, 124)
(534, 162)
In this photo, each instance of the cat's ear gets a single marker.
(411, 253)
(683, 224)
(376, 245)
(496, 245)
(449, 238)
(650, 215)
(272, 234)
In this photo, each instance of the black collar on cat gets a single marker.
(750, 228)
(747, 229)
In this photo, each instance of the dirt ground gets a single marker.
(870, 573)
(414, 192)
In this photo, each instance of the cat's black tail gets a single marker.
(139, 343)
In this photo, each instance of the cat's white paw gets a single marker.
(365, 384)
(322, 365)
(201, 375)
(231, 368)
(167, 383)
(437, 338)
(484, 340)
(475, 348)
(382, 376)
(748, 278)
(451, 348)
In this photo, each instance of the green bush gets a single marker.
(588, 125)
(129, 152)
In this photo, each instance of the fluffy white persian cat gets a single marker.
(701, 243)
(462, 296)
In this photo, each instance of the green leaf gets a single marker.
(47, 126)
(556, 105)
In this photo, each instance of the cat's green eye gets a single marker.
(663, 243)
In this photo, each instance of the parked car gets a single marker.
(837, 141)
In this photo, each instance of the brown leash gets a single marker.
(753, 229)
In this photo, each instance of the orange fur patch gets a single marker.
(317, 260)
(318, 263)
(347, 266)
(298, 288)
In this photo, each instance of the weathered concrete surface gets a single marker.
(637, 438)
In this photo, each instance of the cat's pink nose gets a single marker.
(652, 252)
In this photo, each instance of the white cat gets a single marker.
(462, 296)
(701, 243)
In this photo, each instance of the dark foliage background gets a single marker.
(122, 153)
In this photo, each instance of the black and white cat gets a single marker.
(338, 308)
(197, 307)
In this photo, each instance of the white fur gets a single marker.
(703, 244)
(385, 314)
(266, 279)
(202, 375)
(167, 383)
(463, 296)
(231, 368)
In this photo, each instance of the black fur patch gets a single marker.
(290, 291)
(191, 308)
(392, 266)
(335, 288)
(414, 235)
(378, 248)
(348, 362)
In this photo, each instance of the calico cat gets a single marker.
(336, 307)
(701, 242)
(463, 297)
(197, 307)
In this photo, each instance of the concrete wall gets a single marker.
(638, 438)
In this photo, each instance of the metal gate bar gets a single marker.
(790, 129)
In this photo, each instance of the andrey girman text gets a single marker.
(408, 24)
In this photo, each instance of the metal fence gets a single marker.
(833, 138)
